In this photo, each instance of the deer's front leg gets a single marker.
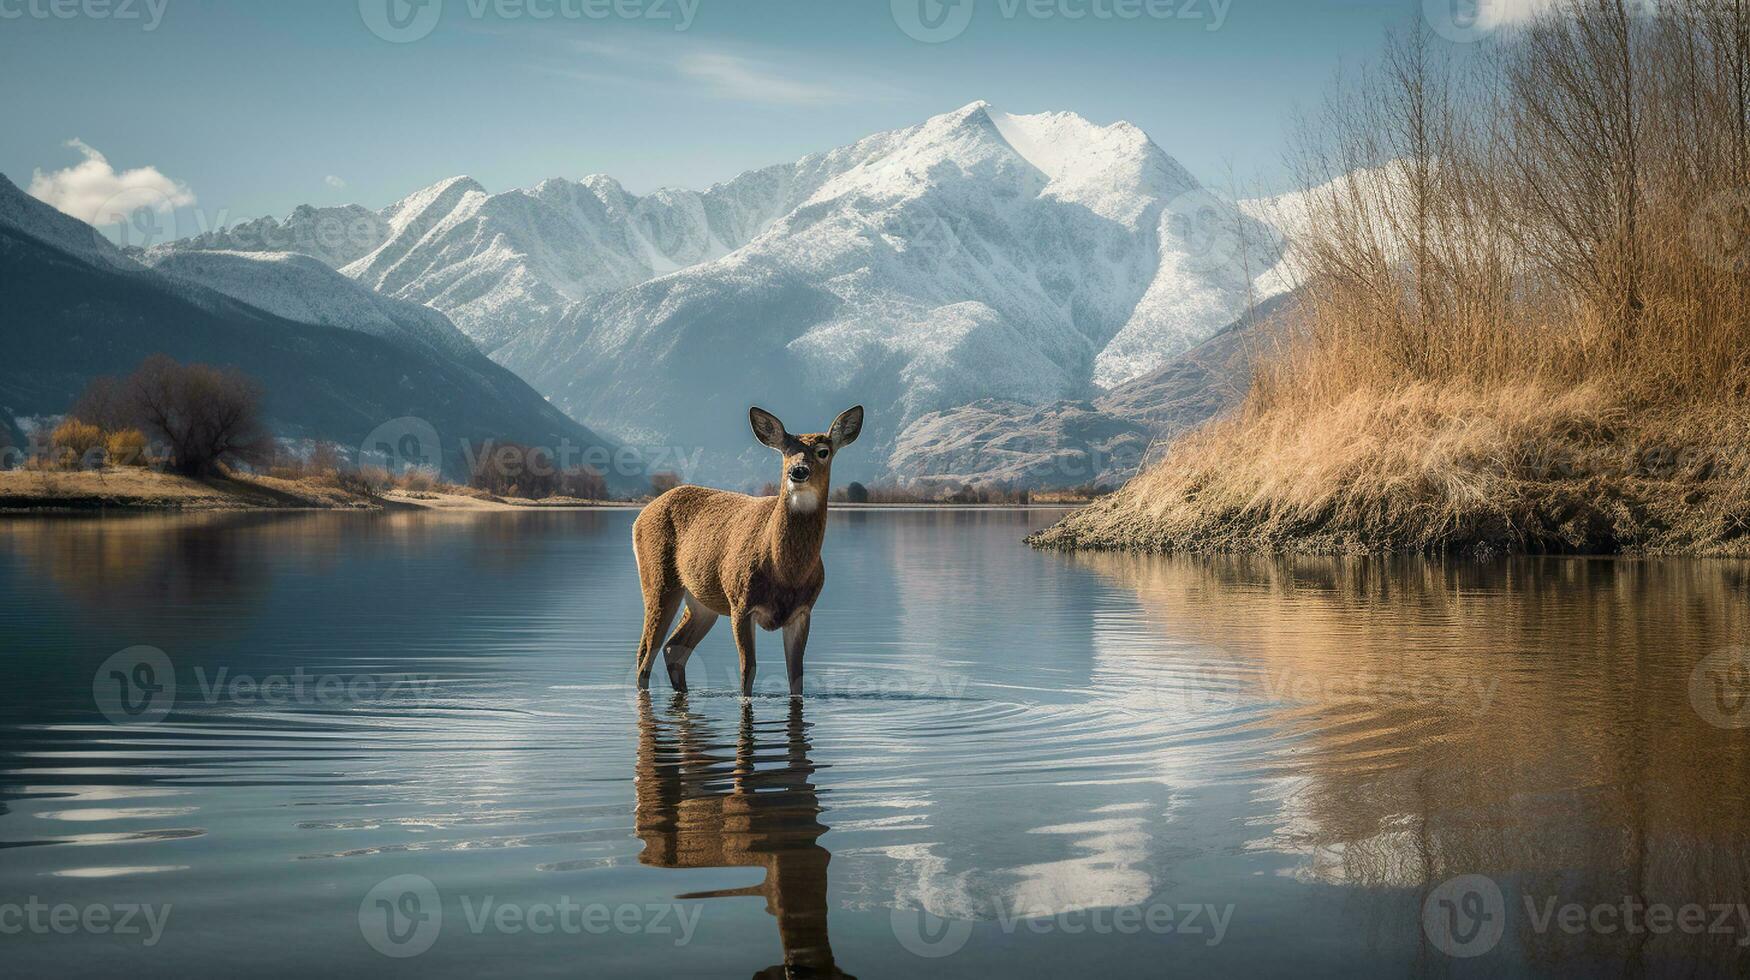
(795, 642)
(741, 623)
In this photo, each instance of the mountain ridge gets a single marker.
(978, 254)
(326, 381)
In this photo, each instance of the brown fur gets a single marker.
(753, 559)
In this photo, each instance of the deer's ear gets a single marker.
(766, 428)
(846, 427)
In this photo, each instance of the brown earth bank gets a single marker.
(137, 489)
(1520, 469)
(134, 489)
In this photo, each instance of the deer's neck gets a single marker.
(796, 537)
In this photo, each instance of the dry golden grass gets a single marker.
(1524, 317)
(1462, 468)
(140, 488)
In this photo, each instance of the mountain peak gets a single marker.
(35, 219)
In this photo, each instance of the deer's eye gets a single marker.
(822, 453)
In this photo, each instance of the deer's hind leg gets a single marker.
(695, 622)
(661, 599)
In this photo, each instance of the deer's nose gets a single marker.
(799, 473)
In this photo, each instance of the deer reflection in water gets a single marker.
(703, 802)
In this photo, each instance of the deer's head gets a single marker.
(808, 458)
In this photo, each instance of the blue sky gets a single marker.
(253, 107)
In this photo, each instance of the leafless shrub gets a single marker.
(205, 416)
(1540, 253)
(514, 470)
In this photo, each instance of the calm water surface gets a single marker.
(408, 745)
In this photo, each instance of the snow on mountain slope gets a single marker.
(301, 288)
(500, 264)
(333, 236)
(1103, 441)
(75, 308)
(24, 214)
(977, 255)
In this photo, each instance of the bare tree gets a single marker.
(207, 416)
(105, 404)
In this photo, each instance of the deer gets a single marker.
(753, 559)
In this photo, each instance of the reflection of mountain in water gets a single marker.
(704, 802)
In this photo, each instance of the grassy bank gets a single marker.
(1523, 318)
(139, 489)
(1462, 469)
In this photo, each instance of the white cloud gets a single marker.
(334, 182)
(745, 80)
(95, 193)
(1508, 13)
(739, 76)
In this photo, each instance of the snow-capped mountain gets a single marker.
(25, 216)
(333, 236)
(300, 288)
(980, 254)
(335, 360)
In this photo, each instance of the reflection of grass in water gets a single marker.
(146, 560)
(1585, 775)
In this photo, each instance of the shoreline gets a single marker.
(25, 493)
(1459, 473)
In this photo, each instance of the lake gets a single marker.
(410, 744)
